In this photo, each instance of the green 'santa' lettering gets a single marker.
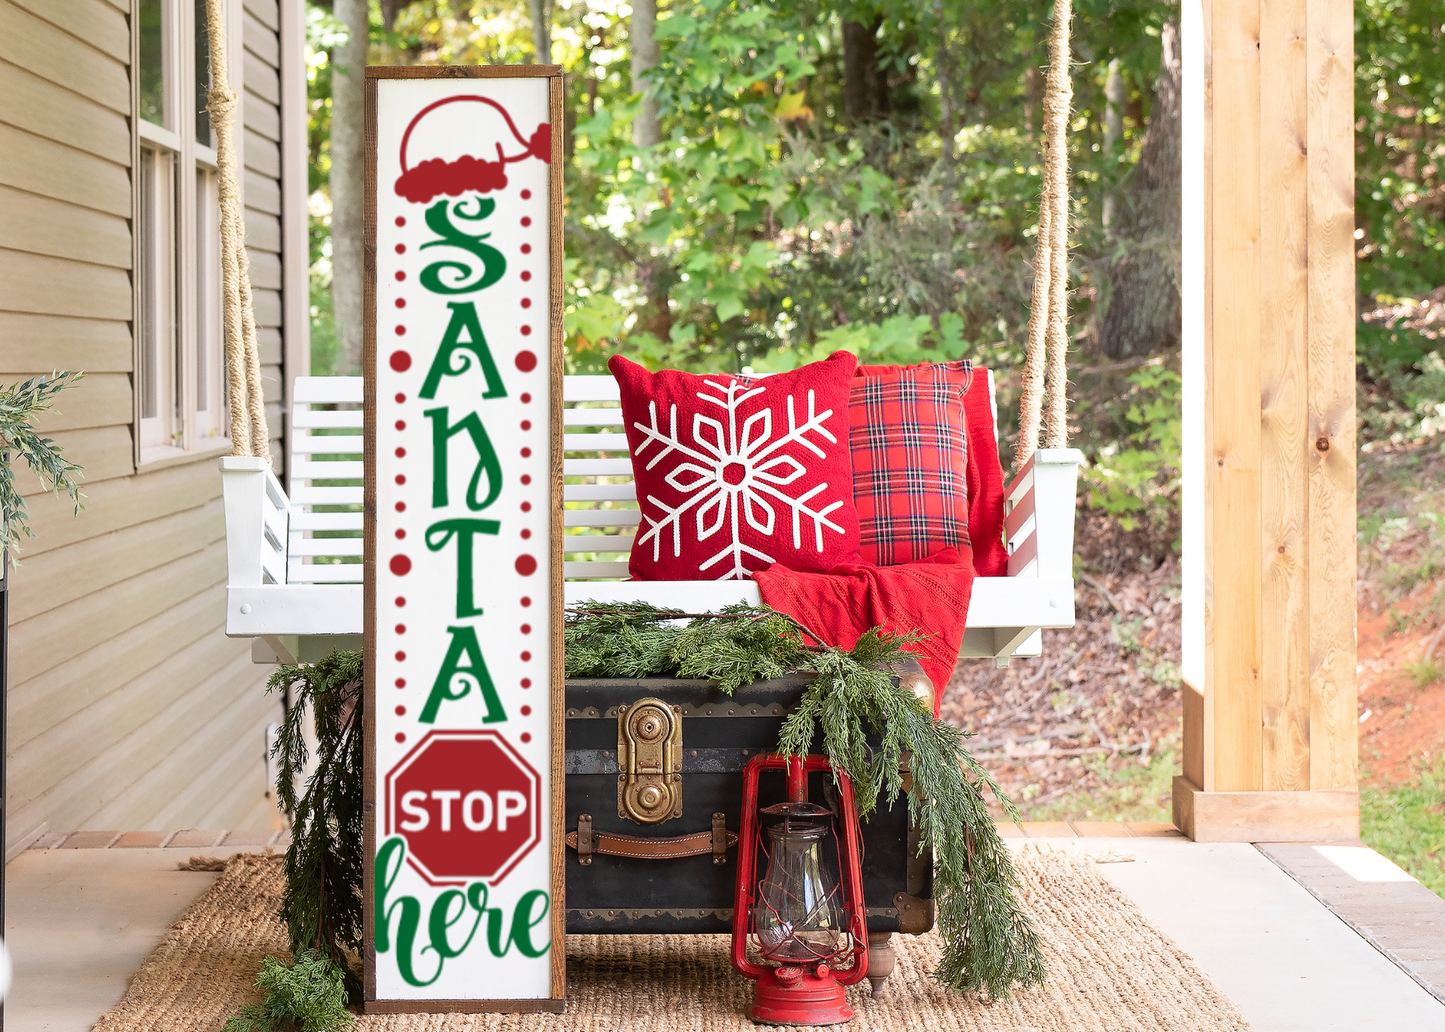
(494, 264)
(452, 358)
(487, 461)
(437, 536)
(464, 667)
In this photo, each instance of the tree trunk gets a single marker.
(542, 30)
(1143, 314)
(865, 87)
(1114, 97)
(348, 73)
(941, 62)
(646, 127)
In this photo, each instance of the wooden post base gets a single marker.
(1319, 816)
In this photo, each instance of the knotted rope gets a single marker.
(249, 435)
(1049, 312)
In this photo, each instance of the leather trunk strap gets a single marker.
(638, 848)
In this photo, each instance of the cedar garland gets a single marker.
(989, 942)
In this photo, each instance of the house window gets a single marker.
(180, 370)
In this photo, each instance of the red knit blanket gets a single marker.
(930, 595)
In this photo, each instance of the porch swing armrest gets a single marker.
(257, 517)
(1039, 514)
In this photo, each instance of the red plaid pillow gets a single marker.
(984, 473)
(909, 442)
(734, 474)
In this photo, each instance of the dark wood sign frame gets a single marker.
(555, 813)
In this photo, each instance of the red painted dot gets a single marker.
(526, 453)
(400, 565)
(526, 398)
(401, 399)
(400, 275)
(401, 711)
(401, 453)
(401, 249)
(401, 657)
(401, 628)
(400, 361)
(526, 601)
(401, 331)
(401, 682)
(526, 332)
(526, 248)
(400, 533)
(401, 478)
(401, 600)
(400, 737)
(526, 479)
(401, 507)
(526, 565)
(401, 220)
(401, 302)
(526, 682)
(526, 506)
(526, 276)
(526, 195)
(526, 361)
(526, 737)
(526, 534)
(526, 711)
(526, 221)
(526, 424)
(526, 628)
(526, 657)
(526, 302)
(401, 424)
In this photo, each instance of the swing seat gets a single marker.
(294, 573)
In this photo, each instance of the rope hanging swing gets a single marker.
(1044, 360)
(1045, 364)
(249, 435)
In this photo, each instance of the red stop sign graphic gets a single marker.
(467, 804)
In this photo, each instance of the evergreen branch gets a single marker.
(19, 405)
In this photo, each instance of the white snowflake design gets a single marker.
(730, 475)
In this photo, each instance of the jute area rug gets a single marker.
(1109, 970)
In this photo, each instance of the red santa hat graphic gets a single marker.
(467, 173)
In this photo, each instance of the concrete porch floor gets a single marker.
(81, 920)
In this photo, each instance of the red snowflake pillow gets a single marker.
(735, 474)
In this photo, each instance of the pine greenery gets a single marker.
(322, 903)
(19, 405)
(308, 996)
(989, 942)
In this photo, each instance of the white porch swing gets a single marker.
(299, 595)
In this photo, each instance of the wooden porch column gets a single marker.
(1269, 360)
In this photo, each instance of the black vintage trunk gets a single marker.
(720, 734)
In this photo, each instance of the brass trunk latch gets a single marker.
(649, 761)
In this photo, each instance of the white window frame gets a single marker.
(179, 339)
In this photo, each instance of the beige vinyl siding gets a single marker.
(260, 34)
(129, 708)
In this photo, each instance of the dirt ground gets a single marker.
(1099, 711)
(1092, 727)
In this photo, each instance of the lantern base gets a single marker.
(802, 996)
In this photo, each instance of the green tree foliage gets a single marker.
(989, 943)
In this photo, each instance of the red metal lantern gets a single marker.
(804, 921)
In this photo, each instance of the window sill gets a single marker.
(164, 456)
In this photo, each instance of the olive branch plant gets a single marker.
(20, 404)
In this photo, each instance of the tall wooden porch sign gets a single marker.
(464, 899)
